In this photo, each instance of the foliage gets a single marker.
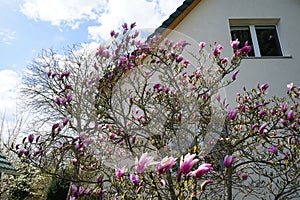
(58, 189)
(24, 184)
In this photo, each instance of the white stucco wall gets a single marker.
(209, 22)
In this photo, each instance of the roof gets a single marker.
(176, 17)
(6, 166)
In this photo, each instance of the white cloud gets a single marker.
(9, 81)
(147, 14)
(107, 14)
(7, 36)
(66, 12)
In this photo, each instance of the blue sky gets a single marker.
(28, 26)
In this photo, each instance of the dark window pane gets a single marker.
(242, 33)
(268, 41)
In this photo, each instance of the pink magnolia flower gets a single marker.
(66, 121)
(262, 128)
(283, 122)
(133, 139)
(291, 115)
(125, 26)
(218, 50)
(166, 164)
(30, 138)
(143, 162)
(284, 106)
(235, 44)
(74, 189)
(187, 163)
(80, 191)
(232, 114)
(218, 97)
(132, 25)
(69, 97)
(246, 49)
(205, 183)
(112, 33)
(54, 126)
(264, 86)
(202, 169)
(88, 191)
(273, 149)
(186, 63)
(179, 58)
(134, 179)
(49, 73)
(245, 176)
(235, 74)
(290, 86)
(57, 100)
(201, 45)
(120, 172)
(157, 86)
(228, 160)
(101, 193)
(224, 60)
(179, 117)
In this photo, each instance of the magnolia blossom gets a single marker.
(143, 162)
(165, 164)
(101, 193)
(74, 189)
(66, 121)
(262, 128)
(283, 122)
(228, 160)
(30, 138)
(235, 74)
(201, 45)
(224, 60)
(235, 44)
(133, 139)
(264, 86)
(179, 58)
(232, 114)
(290, 86)
(246, 49)
(273, 149)
(120, 172)
(245, 176)
(69, 97)
(284, 106)
(134, 179)
(291, 115)
(187, 163)
(218, 50)
(202, 169)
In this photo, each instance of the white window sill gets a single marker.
(268, 57)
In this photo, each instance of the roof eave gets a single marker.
(176, 17)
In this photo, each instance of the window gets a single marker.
(263, 39)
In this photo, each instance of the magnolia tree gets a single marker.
(136, 119)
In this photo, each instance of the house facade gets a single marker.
(271, 27)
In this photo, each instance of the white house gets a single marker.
(271, 26)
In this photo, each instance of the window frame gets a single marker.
(252, 23)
